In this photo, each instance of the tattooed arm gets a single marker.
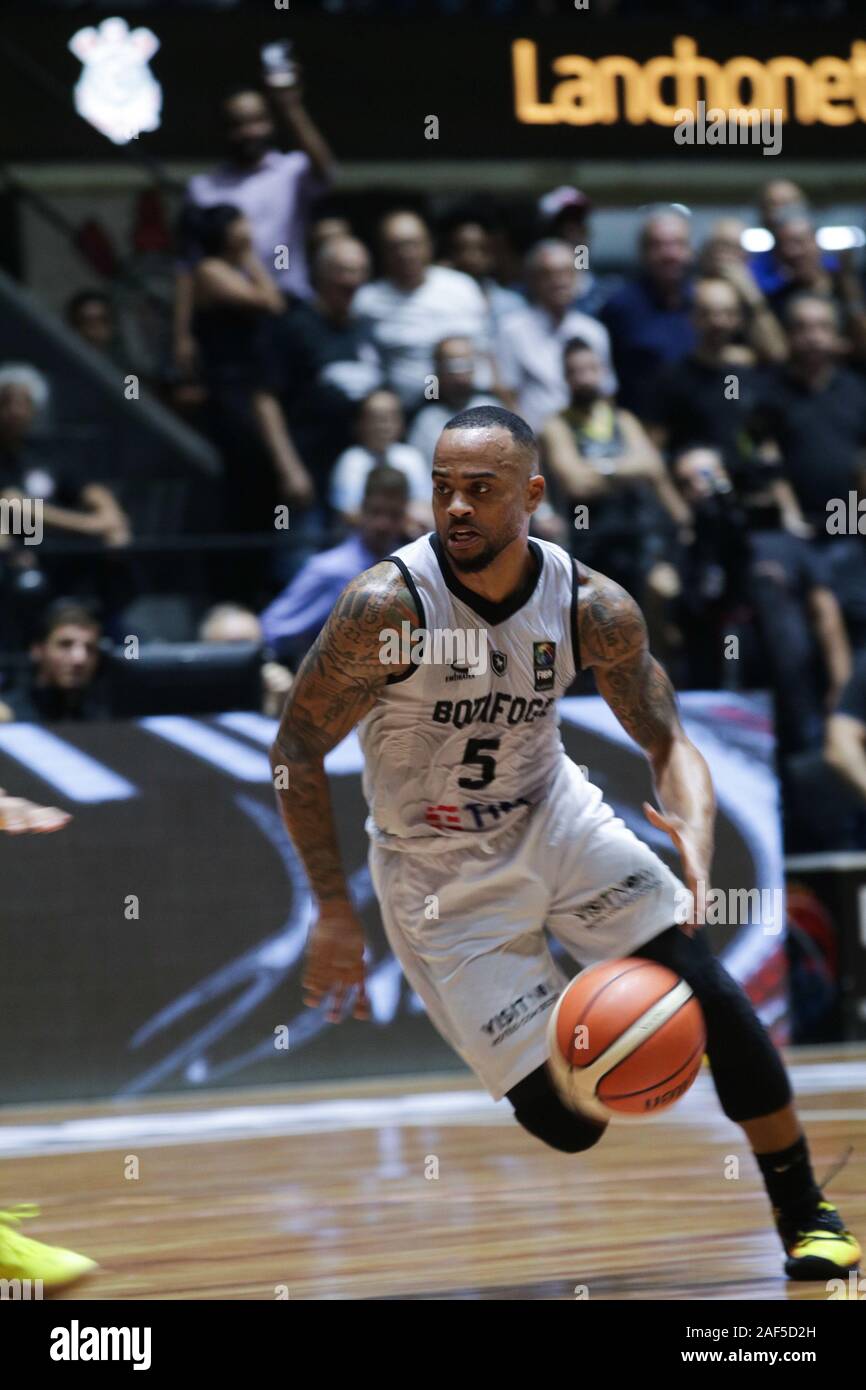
(613, 642)
(337, 684)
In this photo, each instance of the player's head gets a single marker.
(486, 485)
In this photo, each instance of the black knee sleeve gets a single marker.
(748, 1073)
(539, 1110)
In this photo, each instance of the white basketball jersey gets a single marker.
(468, 739)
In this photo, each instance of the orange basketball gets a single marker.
(626, 1040)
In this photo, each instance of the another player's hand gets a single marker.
(18, 816)
(335, 962)
(694, 869)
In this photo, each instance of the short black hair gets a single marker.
(576, 345)
(207, 228)
(483, 417)
(65, 611)
(384, 481)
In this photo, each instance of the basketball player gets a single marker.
(20, 1256)
(483, 831)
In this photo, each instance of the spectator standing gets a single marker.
(233, 296)
(273, 189)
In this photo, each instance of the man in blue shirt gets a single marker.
(294, 619)
(649, 319)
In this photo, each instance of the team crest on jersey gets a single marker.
(544, 664)
(499, 661)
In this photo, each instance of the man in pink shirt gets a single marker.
(273, 189)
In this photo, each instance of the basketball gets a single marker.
(626, 1040)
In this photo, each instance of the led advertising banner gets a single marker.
(584, 87)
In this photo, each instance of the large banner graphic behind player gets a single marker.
(157, 944)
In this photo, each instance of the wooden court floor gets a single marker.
(420, 1189)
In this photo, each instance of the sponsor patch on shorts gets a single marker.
(618, 896)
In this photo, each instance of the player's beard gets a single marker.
(473, 563)
(490, 550)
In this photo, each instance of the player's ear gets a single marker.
(535, 489)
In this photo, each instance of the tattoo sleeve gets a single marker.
(337, 684)
(614, 642)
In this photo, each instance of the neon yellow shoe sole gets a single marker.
(822, 1248)
(29, 1268)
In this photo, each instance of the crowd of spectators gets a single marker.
(696, 417)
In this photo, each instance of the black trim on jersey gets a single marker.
(575, 630)
(486, 608)
(410, 585)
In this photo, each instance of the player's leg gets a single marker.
(609, 891)
(467, 929)
(539, 1110)
(754, 1090)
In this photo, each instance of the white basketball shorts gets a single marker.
(468, 925)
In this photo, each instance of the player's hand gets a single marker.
(335, 962)
(694, 869)
(18, 816)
